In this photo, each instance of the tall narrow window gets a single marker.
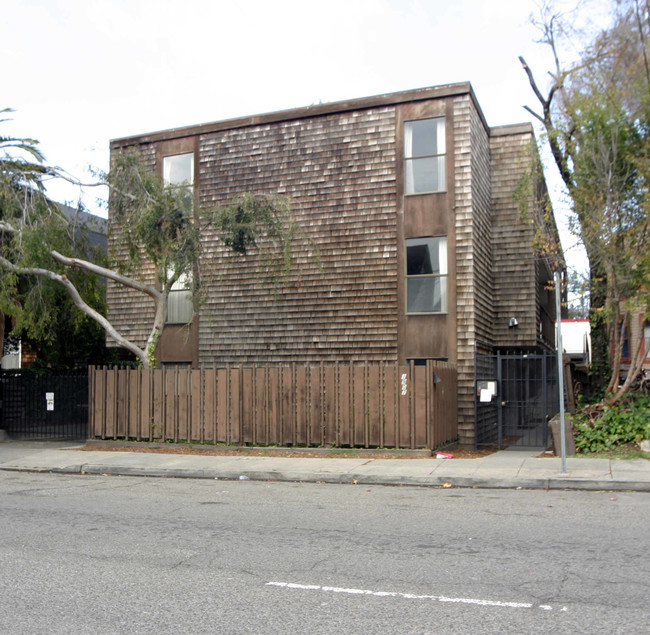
(424, 154)
(178, 173)
(426, 275)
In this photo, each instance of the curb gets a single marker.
(463, 482)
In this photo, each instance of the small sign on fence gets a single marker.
(49, 400)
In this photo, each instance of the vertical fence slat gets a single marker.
(145, 415)
(286, 412)
(158, 401)
(390, 405)
(121, 402)
(111, 399)
(223, 405)
(329, 405)
(133, 404)
(196, 399)
(209, 418)
(247, 406)
(374, 405)
(345, 420)
(274, 390)
(359, 405)
(98, 404)
(302, 406)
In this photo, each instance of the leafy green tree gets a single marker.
(596, 114)
(38, 306)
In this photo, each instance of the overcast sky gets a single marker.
(81, 72)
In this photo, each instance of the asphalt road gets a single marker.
(84, 554)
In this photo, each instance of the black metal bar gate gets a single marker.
(516, 395)
(43, 406)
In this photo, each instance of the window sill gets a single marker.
(427, 313)
(425, 193)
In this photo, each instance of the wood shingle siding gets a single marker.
(338, 171)
(514, 257)
(342, 167)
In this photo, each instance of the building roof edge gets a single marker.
(316, 110)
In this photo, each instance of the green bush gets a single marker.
(628, 421)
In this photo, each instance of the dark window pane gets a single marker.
(423, 256)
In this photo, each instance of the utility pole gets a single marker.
(560, 369)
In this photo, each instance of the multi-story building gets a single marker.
(425, 221)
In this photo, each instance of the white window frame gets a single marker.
(169, 170)
(425, 169)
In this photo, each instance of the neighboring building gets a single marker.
(94, 228)
(411, 200)
(637, 336)
(576, 341)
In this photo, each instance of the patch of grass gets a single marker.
(622, 452)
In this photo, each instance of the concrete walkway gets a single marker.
(505, 469)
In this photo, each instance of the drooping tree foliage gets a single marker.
(596, 114)
(30, 226)
(157, 229)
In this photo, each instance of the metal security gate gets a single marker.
(516, 396)
(44, 406)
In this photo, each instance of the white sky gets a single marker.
(81, 72)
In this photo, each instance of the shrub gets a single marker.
(625, 422)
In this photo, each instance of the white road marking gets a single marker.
(411, 596)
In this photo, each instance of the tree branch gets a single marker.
(533, 84)
(6, 227)
(559, 155)
(107, 273)
(79, 303)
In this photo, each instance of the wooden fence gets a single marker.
(338, 405)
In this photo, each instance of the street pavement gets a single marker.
(512, 468)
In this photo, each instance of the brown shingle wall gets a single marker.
(130, 312)
(339, 171)
(465, 227)
(482, 212)
(514, 259)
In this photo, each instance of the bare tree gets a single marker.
(595, 112)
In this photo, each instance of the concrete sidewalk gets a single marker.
(504, 469)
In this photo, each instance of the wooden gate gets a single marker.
(338, 405)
